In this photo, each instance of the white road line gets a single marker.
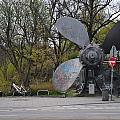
(18, 109)
(59, 108)
(105, 113)
(63, 108)
(46, 108)
(70, 107)
(4, 110)
(85, 108)
(78, 107)
(31, 109)
(111, 108)
(8, 115)
(66, 106)
(98, 108)
(73, 108)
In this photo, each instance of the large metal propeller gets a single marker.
(91, 55)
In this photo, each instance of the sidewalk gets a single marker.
(20, 102)
(69, 108)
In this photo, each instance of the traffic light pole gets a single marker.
(111, 86)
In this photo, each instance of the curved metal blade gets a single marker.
(66, 74)
(73, 30)
(112, 38)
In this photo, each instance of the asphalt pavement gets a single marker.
(69, 108)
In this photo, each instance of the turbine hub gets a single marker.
(92, 55)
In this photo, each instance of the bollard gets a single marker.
(105, 95)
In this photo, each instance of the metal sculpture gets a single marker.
(87, 68)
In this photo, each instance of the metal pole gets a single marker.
(111, 82)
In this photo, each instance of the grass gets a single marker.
(5, 88)
(52, 92)
(41, 86)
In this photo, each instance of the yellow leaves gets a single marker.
(40, 58)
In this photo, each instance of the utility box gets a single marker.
(91, 89)
(105, 95)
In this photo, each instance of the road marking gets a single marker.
(4, 110)
(80, 107)
(98, 108)
(72, 108)
(69, 107)
(112, 108)
(59, 108)
(17, 109)
(85, 108)
(105, 113)
(31, 109)
(66, 106)
(8, 115)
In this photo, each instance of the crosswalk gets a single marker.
(82, 107)
(64, 107)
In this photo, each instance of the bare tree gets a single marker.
(95, 14)
(4, 64)
(20, 31)
(25, 23)
(56, 40)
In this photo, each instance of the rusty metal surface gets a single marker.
(66, 74)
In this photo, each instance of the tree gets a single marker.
(20, 31)
(42, 67)
(94, 14)
(4, 64)
(56, 41)
(103, 32)
(24, 24)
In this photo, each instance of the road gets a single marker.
(76, 108)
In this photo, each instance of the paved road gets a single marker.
(38, 108)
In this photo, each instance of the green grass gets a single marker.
(52, 92)
(4, 87)
(41, 86)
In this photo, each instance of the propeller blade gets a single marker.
(112, 38)
(73, 30)
(66, 74)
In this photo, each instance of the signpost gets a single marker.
(112, 63)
